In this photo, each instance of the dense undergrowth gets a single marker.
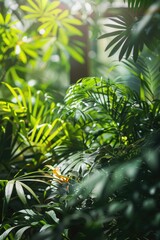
(85, 168)
(86, 165)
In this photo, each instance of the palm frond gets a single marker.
(33, 112)
(134, 29)
(146, 71)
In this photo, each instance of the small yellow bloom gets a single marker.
(57, 174)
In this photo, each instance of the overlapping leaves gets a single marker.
(56, 22)
(133, 30)
(38, 127)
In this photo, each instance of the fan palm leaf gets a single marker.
(134, 29)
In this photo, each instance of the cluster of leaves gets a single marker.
(54, 26)
(92, 136)
(133, 28)
(87, 168)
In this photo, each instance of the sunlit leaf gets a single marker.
(52, 214)
(9, 190)
(20, 192)
(20, 232)
(6, 233)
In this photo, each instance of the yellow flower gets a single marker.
(57, 174)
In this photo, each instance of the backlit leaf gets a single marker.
(9, 190)
(20, 192)
(20, 232)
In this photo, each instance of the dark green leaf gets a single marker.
(30, 191)
(117, 46)
(110, 34)
(115, 40)
(124, 48)
(119, 21)
(115, 26)
(20, 192)
(19, 233)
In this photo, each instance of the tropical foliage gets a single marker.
(85, 167)
(134, 28)
(47, 34)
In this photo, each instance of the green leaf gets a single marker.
(48, 54)
(63, 15)
(116, 47)
(118, 20)
(75, 54)
(51, 7)
(6, 233)
(30, 52)
(8, 18)
(135, 52)
(31, 2)
(43, 4)
(46, 226)
(1, 19)
(72, 30)
(20, 232)
(124, 48)
(9, 190)
(52, 214)
(27, 9)
(20, 192)
(115, 26)
(73, 21)
(115, 40)
(111, 34)
(30, 191)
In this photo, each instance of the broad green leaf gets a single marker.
(6, 233)
(19, 233)
(52, 214)
(9, 190)
(46, 226)
(20, 192)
